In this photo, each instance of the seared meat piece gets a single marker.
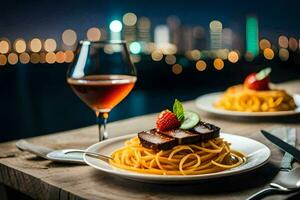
(156, 141)
(206, 131)
(183, 136)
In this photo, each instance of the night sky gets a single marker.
(48, 18)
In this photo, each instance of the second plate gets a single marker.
(205, 103)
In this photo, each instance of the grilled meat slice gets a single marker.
(156, 141)
(206, 131)
(183, 136)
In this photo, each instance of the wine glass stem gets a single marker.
(102, 121)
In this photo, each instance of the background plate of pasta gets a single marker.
(249, 103)
(180, 164)
(256, 96)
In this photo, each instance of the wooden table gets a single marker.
(42, 179)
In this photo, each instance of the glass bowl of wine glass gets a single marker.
(102, 75)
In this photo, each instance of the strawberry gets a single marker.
(258, 81)
(167, 121)
(251, 82)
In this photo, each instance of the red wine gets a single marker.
(102, 92)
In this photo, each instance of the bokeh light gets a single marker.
(135, 47)
(161, 36)
(284, 54)
(93, 34)
(156, 55)
(293, 44)
(50, 57)
(264, 43)
(177, 69)
(35, 45)
(69, 56)
(12, 58)
(24, 58)
(195, 54)
(3, 60)
(283, 41)
(233, 56)
(268, 53)
(20, 45)
(50, 45)
(218, 64)
(201, 65)
(60, 57)
(168, 49)
(43, 57)
(115, 26)
(129, 19)
(215, 25)
(149, 47)
(35, 58)
(69, 37)
(252, 34)
(170, 59)
(4, 46)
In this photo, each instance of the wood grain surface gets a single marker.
(42, 179)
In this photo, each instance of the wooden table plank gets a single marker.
(43, 179)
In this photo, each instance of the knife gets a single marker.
(283, 146)
(286, 162)
(289, 135)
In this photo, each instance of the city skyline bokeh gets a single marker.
(48, 18)
(215, 45)
(243, 37)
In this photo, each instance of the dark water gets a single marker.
(36, 99)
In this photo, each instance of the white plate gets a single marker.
(257, 155)
(205, 103)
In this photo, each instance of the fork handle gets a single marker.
(89, 153)
(263, 193)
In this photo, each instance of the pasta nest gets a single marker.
(240, 98)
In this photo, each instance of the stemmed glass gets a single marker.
(102, 75)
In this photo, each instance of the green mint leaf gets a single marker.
(178, 110)
(263, 73)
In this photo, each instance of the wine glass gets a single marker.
(102, 75)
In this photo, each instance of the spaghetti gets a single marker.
(239, 98)
(212, 156)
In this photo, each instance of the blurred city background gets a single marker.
(181, 49)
